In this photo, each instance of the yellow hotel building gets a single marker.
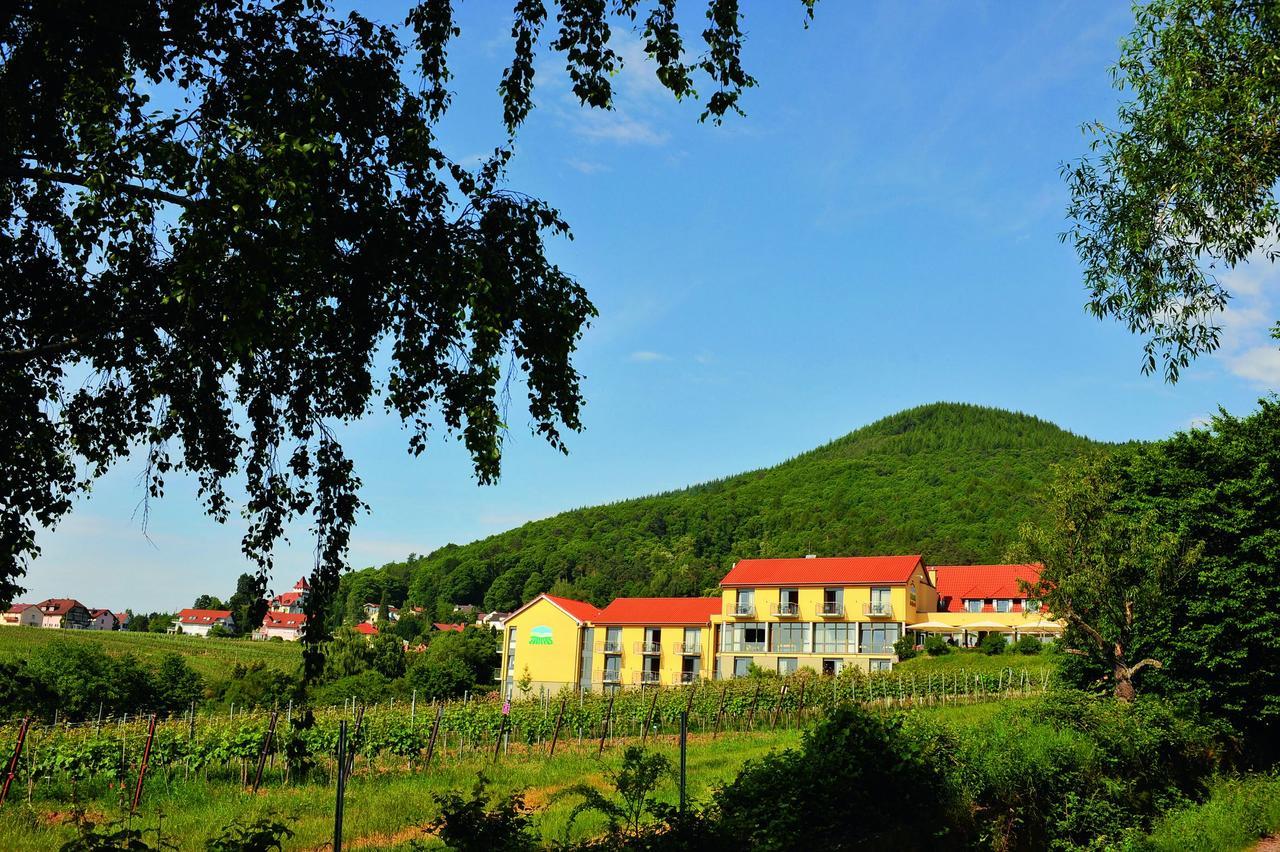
(778, 614)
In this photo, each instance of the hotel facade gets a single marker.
(822, 614)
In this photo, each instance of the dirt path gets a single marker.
(1268, 844)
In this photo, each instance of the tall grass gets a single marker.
(1239, 811)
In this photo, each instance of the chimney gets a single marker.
(811, 556)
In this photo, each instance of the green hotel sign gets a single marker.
(540, 635)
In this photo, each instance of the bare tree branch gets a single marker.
(73, 179)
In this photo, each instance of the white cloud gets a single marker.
(586, 167)
(1260, 364)
(647, 357)
(1247, 349)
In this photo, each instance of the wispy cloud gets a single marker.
(645, 356)
(1248, 350)
(586, 167)
(639, 100)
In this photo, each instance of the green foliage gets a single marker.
(97, 837)
(936, 646)
(478, 824)
(858, 781)
(1239, 812)
(961, 479)
(630, 814)
(993, 643)
(1028, 645)
(1183, 184)
(206, 602)
(905, 648)
(265, 834)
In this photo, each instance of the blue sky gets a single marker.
(881, 231)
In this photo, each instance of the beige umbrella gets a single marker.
(934, 627)
(1041, 626)
(988, 625)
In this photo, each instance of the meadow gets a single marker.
(212, 659)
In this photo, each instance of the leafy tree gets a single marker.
(139, 623)
(226, 265)
(635, 783)
(387, 655)
(347, 653)
(247, 605)
(439, 676)
(1109, 568)
(1183, 185)
(160, 622)
(207, 602)
(176, 684)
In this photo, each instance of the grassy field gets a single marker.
(211, 658)
(1238, 813)
(976, 662)
(384, 809)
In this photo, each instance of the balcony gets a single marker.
(648, 647)
(743, 648)
(614, 647)
(785, 609)
(788, 647)
(878, 609)
(688, 677)
(829, 609)
(742, 610)
(645, 677)
(611, 676)
(687, 648)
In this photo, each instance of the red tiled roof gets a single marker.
(59, 606)
(580, 610)
(16, 608)
(440, 625)
(284, 619)
(302, 585)
(287, 597)
(956, 583)
(659, 611)
(835, 571)
(97, 612)
(202, 616)
(366, 628)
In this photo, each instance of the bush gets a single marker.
(1028, 645)
(477, 824)
(905, 648)
(936, 646)
(993, 643)
(858, 780)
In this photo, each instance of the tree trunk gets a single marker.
(1124, 684)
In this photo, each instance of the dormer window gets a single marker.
(973, 605)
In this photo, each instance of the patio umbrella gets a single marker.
(934, 627)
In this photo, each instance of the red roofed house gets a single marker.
(103, 619)
(974, 600)
(283, 625)
(294, 600)
(122, 618)
(63, 614)
(366, 629)
(442, 625)
(21, 615)
(371, 612)
(200, 621)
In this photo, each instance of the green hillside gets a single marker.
(950, 481)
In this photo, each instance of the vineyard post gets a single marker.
(502, 728)
(413, 708)
(435, 729)
(142, 770)
(604, 726)
(720, 710)
(688, 705)
(751, 712)
(266, 746)
(555, 734)
(800, 710)
(341, 785)
(288, 714)
(351, 752)
(777, 708)
(97, 729)
(648, 719)
(684, 743)
(13, 761)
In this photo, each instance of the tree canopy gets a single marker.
(226, 229)
(1182, 186)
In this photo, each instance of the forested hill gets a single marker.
(952, 482)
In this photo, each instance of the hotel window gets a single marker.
(747, 636)
(834, 639)
(787, 665)
(878, 638)
(973, 605)
(790, 638)
(511, 659)
(612, 669)
(649, 670)
(653, 640)
(881, 665)
(832, 667)
(692, 640)
(832, 602)
(745, 603)
(789, 602)
(1031, 605)
(613, 640)
(741, 666)
(1004, 605)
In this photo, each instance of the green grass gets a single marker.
(1238, 813)
(976, 662)
(211, 658)
(384, 809)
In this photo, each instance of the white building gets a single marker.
(103, 619)
(21, 615)
(199, 622)
(285, 625)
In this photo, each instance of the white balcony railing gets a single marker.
(647, 677)
(878, 609)
(612, 676)
(687, 648)
(688, 677)
(830, 609)
(743, 610)
(614, 647)
(784, 609)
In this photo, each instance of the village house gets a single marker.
(294, 600)
(198, 622)
(371, 613)
(21, 615)
(366, 629)
(63, 614)
(103, 619)
(781, 615)
(284, 625)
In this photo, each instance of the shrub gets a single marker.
(936, 646)
(267, 834)
(477, 824)
(993, 643)
(858, 780)
(1028, 645)
(634, 784)
(905, 648)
